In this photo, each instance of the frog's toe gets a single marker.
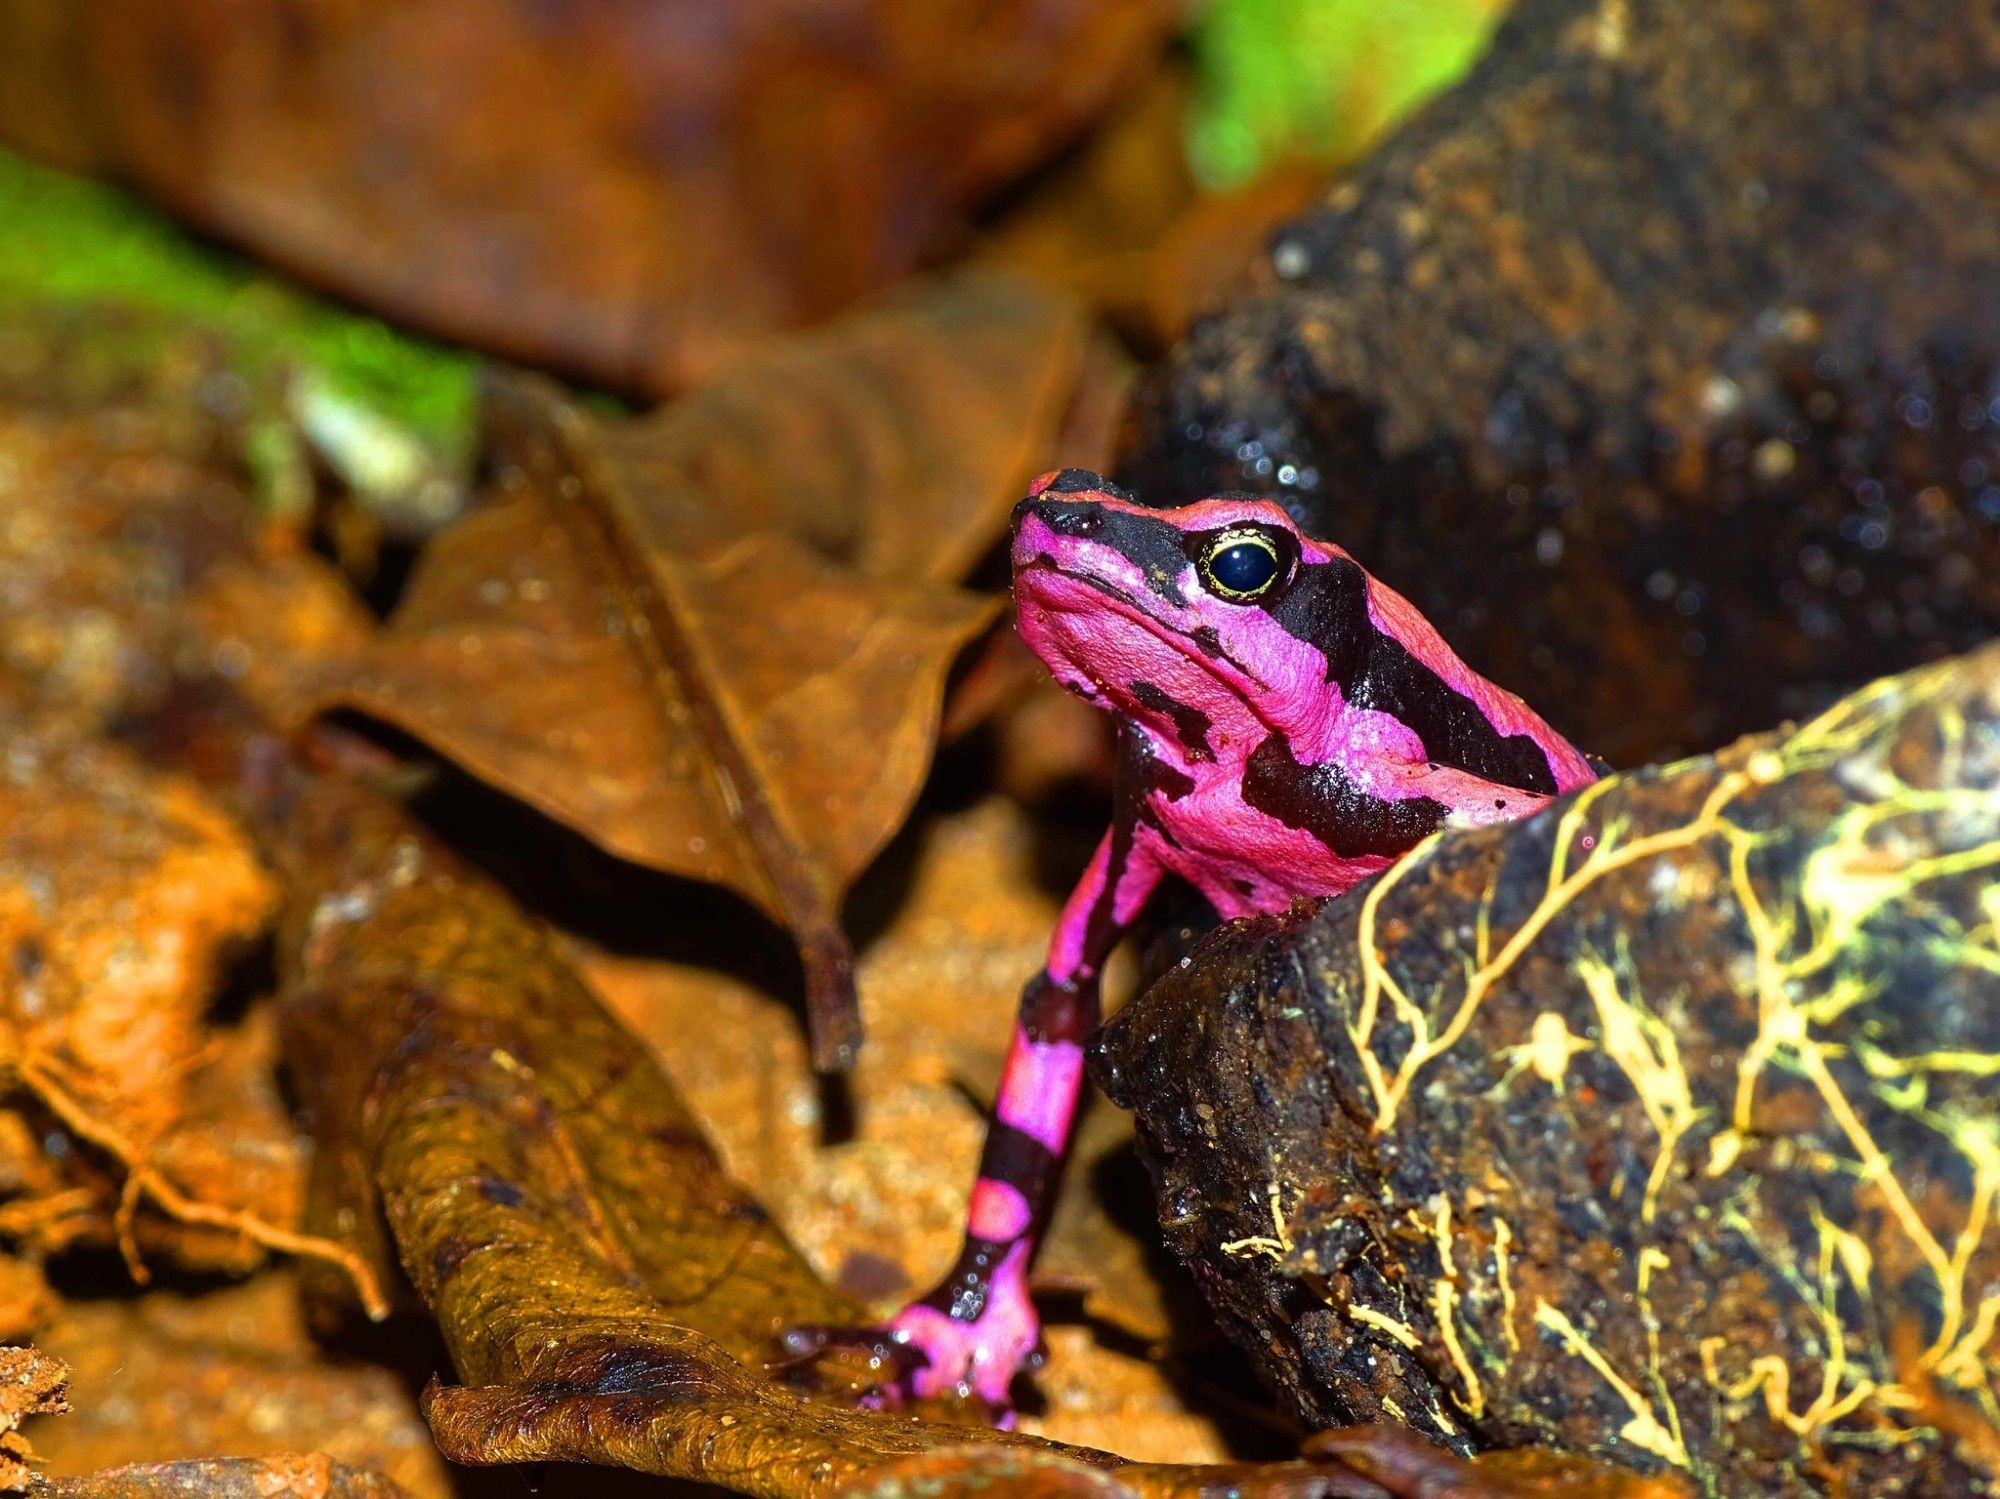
(923, 1353)
(975, 1359)
(887, 1369)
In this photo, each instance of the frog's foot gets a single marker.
(928, 1352)
(976, 1359)
(889, 1365)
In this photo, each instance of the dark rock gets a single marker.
(1660, 1128)
(1659, 362)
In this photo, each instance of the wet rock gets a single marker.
(1660, 1128)
(1659, 362)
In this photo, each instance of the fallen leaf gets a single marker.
(881, 1212)
(121, 888)
(633, 193)
(715, 641)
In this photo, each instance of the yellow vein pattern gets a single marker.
(1812, 905)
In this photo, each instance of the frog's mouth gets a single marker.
(1200, 643)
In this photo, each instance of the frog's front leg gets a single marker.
(978, 1328)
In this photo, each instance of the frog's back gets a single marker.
(1385, 657)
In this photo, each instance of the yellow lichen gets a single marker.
(1645, 1429)
(1812, 985)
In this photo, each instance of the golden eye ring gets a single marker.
(1242, 565)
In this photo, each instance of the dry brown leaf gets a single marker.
(715, 641)
(635, 192)
(120, 890)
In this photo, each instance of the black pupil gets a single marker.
(1243, 567)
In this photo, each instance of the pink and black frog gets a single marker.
(1287, 726)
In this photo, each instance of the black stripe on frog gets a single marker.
(1326, 606)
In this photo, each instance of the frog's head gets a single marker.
(1157, 613)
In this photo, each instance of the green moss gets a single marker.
(67, 239)
(1318, 78)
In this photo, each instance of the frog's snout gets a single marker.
(1063, 516)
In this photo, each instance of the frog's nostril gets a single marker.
(1070, 519)
(1063, 516)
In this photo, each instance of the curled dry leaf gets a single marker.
(715, 641)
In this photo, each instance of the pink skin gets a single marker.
(998, 1212)
(978, 1358)
(1086, 605)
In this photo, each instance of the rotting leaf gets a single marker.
(715, 641)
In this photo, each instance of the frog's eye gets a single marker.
(1241, 565)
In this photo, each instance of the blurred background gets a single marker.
(633, 194)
